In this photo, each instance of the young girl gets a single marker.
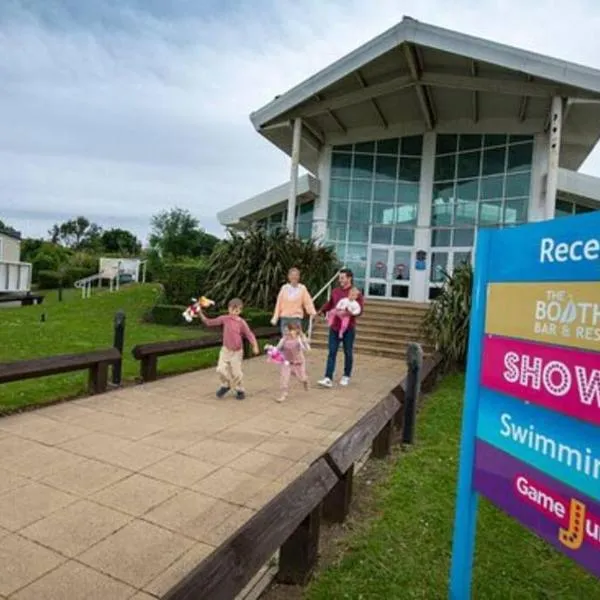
(344, 310)
(293, 345)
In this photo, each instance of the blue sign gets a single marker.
(531, 415)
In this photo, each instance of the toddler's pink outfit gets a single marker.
(293, 352)
(341, 310)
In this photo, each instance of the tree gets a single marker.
(77, 234)
(254, 264)
(177, 234)
(120, 241)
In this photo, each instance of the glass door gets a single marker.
(389, 272)
(445, 261)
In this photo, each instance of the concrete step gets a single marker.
(374, 350)
(392, 343)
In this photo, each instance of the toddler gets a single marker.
(343, 311)
(293, 345)
(235, 329)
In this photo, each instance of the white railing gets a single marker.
(15, 276)
(85, 284)
(325, 288)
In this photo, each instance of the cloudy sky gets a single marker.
(116, 109)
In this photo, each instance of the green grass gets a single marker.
(403, 552)
(78, 325)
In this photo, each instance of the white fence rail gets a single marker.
(15, 277)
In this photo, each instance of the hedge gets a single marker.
(49, 280)
(170, 314)
(183, 281)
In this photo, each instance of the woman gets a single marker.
(293, 302)
(346, 285)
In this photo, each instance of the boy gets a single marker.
(232, 352)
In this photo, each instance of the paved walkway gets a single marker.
(118, 496)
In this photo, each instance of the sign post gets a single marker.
(530, 438)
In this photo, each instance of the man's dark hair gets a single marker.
(348, 273)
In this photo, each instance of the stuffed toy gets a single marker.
(193, 310)
(275, 356)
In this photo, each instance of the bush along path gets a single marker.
(402, 551)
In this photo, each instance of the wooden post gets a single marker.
(298, 555)
(118, 343)
(382, 444)
(149, 367)
(98, 378)
(337, 503)
(414, 362)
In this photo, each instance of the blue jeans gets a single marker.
(283, 323)
(334, 344)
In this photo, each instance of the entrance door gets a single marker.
(445, 261)
(389, 272)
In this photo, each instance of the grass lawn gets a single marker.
(403, 552)
(78, 325)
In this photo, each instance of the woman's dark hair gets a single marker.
(348, 273)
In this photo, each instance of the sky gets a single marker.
(118, 109)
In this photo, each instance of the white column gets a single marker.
(539, 170)
(291, 217)
(556, 114)
(321, 210)
(420, 279)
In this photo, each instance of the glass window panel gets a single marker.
(520, 138)
(441, 213)
(402, 260)
(490, 214)
(304, 231)
(388, 146)
(408, 193)
(491, 187)
(340, 251)
(363, 166)
(358, 268)
(443, 191)
(405, 214)
(361, 189)
(463, 237)
(381, 235)
(343, 148)
(515, 211)
(445, 144)
(580, 209)
(360, 212)
(465, 212)
(404, 237)
(306, 208)
(517, 185)
(386, 167)
(445, 167)
(358, 232)
(493, 161)
(519, 157)
(494, 139)
(385, 192)
(400, 291)
(412, 145)
(377, 290)
(435, 292)
(340, 188)
(338, 211)
(337, 231)
(409, 169)
(468, 164)
(467, 190)
(441, 237)
(365, 147)
(379, 263)
(356, 253)
(461, 258)
(469, 142)
(439, 265)
(563, 208)
(341, 165)
(383, 214)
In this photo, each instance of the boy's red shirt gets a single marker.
(336, 295)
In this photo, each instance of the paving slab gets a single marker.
(121, 495)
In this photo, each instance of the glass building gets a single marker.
(407, 164)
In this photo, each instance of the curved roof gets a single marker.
(417, 77)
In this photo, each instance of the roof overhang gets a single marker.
(416, 77)
(261, 205)
(579, 186)
(11, 233)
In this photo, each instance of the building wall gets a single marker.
(10, 249)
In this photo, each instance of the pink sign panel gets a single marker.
(561, 379)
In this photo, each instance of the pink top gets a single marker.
(292, 350)
(234, 330)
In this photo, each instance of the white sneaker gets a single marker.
(345, 381)
(326, 382)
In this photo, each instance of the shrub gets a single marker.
(183, 281)
(49, 279)
(254, 264)
(170, 314)
(446, 323)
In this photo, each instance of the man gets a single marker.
(346, 283)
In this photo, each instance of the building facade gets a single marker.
(408, 164)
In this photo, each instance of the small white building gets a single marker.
(15, 276)
(419, 138)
